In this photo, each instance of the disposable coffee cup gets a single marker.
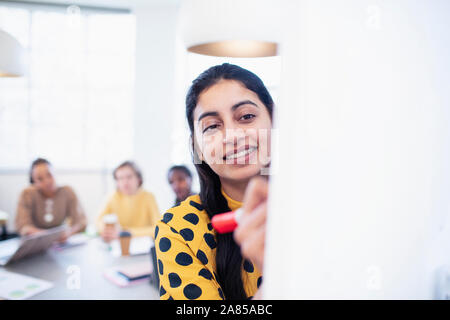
(125, 239)
(110, 220)
(3, 217)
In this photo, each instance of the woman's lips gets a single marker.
(240, 156)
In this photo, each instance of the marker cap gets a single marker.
(226, 222)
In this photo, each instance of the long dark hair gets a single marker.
(228, 255)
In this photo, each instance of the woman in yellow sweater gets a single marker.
(229, 112)
(135, 208)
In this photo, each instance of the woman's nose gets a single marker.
(233, 135)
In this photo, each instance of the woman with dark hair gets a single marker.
(180, 179)
(135, 209)
(229, 112)
(45, 205)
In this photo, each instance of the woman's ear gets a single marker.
(31, 176)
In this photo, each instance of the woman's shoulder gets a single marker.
(29, 191)
(66, 191)
(146, 194)
(192, 202)
(189, 219)
(188, 211)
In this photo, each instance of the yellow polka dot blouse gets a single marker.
(185, 248)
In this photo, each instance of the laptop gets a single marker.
(15, 249)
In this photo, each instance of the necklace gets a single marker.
(48, 217)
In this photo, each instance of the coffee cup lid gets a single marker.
(125, 234)
(110, 218)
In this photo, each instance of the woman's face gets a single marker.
(180, 183)
(127, 181)
(43, 179)
(232, 130)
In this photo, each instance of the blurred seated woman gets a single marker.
(136, 209)
(45, 205)
(180, 179)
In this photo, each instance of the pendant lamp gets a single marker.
(230, 28)
(11, 56)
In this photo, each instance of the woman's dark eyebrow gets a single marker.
(237, 105)
(234, 107)
(206, 114)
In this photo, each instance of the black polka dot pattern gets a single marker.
(202, 257)
(162, 291)
(164, 244)
(160, 267)
(183, 259)
(210, 241)
(248, 266)
(174, 280)
(205, 273)
(221, 294)
(196, 205)
(186, 241)
(192, 218)
(167, 217)
(192, 291)
(187, 234)
(258, 283)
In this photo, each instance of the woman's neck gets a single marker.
(234, 189)
(130, 194)
(47, 194)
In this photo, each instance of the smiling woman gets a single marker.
(227, 107)
(228, 121)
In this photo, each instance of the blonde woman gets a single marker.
(136, 208)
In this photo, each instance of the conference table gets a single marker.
(88, 263)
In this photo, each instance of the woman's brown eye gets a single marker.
(248, 116)
(210, 127)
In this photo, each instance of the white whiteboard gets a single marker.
(361, 186)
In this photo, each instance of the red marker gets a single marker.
(226, 222)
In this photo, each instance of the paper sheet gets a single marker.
(14, 286)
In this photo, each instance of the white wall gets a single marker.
(155, 96)
(359, 204)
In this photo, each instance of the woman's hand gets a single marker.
(64, 236)
(29, 230)
(68, 233)
(110, 233)
(251, 231)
